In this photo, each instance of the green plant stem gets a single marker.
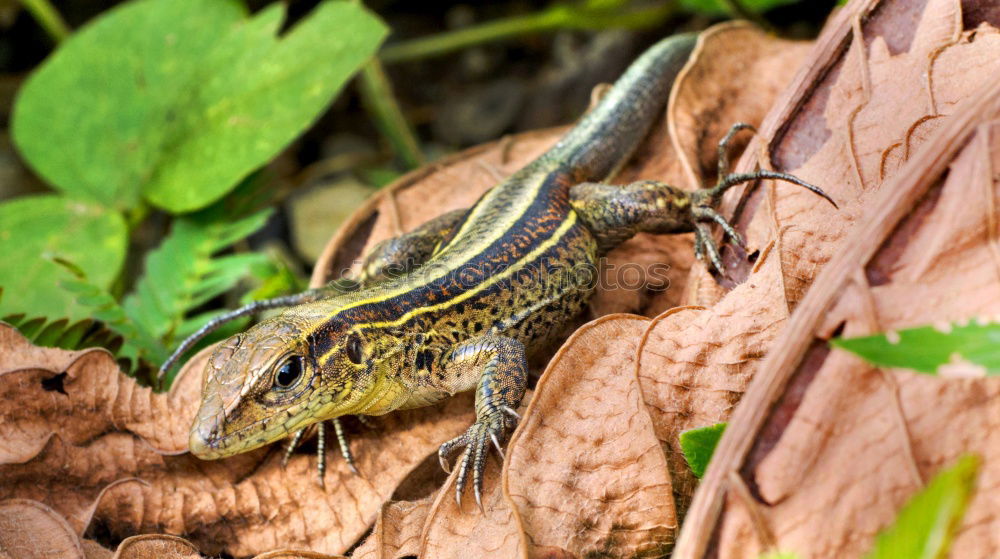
(380, 102)
(48, 17)
(560, 16)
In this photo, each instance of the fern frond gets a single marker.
(139, 344)
(183, 273)
(63, 334)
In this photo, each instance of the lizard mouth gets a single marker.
(207, 443)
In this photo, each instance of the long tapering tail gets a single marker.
(607, 135)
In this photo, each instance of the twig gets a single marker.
(48, 17)
(601, 15)
(379, 101)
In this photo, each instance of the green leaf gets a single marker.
(275, 277)
(718, 7)
(183, 273)
(138, 343)
(974, 345)
(925, 526)
(698, 446)
(36, 230)
(177, 100)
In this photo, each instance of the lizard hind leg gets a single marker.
(614, 214)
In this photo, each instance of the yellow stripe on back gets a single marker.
(462, 249)
(565, 226)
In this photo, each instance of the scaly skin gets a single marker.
(456, 305)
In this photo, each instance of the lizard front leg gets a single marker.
(388, 259)
(613, 214)
(497, 368)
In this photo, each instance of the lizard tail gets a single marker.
(605, 138)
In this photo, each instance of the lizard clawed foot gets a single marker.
(704, 201)
(345, 448)
(477, 440)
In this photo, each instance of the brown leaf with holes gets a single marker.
(91, 466)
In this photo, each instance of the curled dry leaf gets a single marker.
(397, 531)
(585, 472)
(154, 546)
(96, 467)
(898, 110)
(31, 530)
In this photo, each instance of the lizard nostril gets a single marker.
(202, 442)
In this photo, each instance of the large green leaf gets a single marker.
(925, 349)
(925, 526)
(34, 230)
(177, 100)
(698, 445)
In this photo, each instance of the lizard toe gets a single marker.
(477, 440)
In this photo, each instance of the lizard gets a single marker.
(458, 303)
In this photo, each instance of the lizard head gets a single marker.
(278, 377)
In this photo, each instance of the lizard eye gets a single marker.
(355, 350)
(289, 373)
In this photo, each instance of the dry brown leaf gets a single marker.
(94, 550)
(243, 505)
(745, 70)
(584, 471)
(397, 531)
(156, 546)
(818, 465)
(31, 530)
(695, 363)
